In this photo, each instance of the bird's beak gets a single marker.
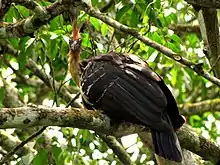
(75, 45)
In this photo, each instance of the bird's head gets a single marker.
(75, 41)
(75, 45)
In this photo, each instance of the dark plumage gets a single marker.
(127, 89)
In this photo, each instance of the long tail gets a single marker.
(167, 145)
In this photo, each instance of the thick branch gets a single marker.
(67, 117)
(212, 34)
(166, 51)
(205, 3)
(71, 117)
(11, 99)
(200, 107)
(189, 157)
(30, 24)
(198, 144)
(184, 28)
(8, 142)
(35, 7)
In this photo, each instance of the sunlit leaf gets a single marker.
(122, 11)
(104, 29)
(2, 94)
(41, 158)
(94, 2)
(95, 23)
(56, 152)
(175, 38)
(134, 18)
(174, 47)
(29, 43)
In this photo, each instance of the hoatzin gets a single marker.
(127, 89)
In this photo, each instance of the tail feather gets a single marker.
(167, 145)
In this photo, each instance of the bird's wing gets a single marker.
(125, 91)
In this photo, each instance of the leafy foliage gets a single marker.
(48, 47)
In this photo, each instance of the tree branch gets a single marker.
(81, 118)
(20, 145)
(213, 41)
(117, 149)
(189, 157)
(198, 144)
(184, 28)
(30, 24)
(47, 79)
(205, 3)
(200, 107)
(166, 51)
(112, 142)
(85, 119)
(8, 142)
(35, 7)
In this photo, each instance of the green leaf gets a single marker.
(134, 18)
(104, 29)
(26, 160)
(22, 59)
(14, 42)
(122, 11)
(2, 94)
(86, 41)
(41, 158)
(53, 48)
(173, 47)
(157, 4)
(95, 23)
(56, 153)
(173, 18)
(53, 36)
(94, 2)
(22, 54)
(85, 136)
(29, 43)
(158, 38)
(175, 38)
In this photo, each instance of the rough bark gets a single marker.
(205, 3)
(30, 24)
(200, 107)
(212, 33)
(85, 119)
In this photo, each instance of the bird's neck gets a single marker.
(74, 66)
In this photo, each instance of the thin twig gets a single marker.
(166, 51)
(109, 44)
(74, 99)
(53, 81)
(117, 148)
(14, 150)
(107, 6)
(213, 65)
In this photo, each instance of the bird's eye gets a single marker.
(70, 41)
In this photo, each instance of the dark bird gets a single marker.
(127, 89)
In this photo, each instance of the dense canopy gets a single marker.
(179, 40)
